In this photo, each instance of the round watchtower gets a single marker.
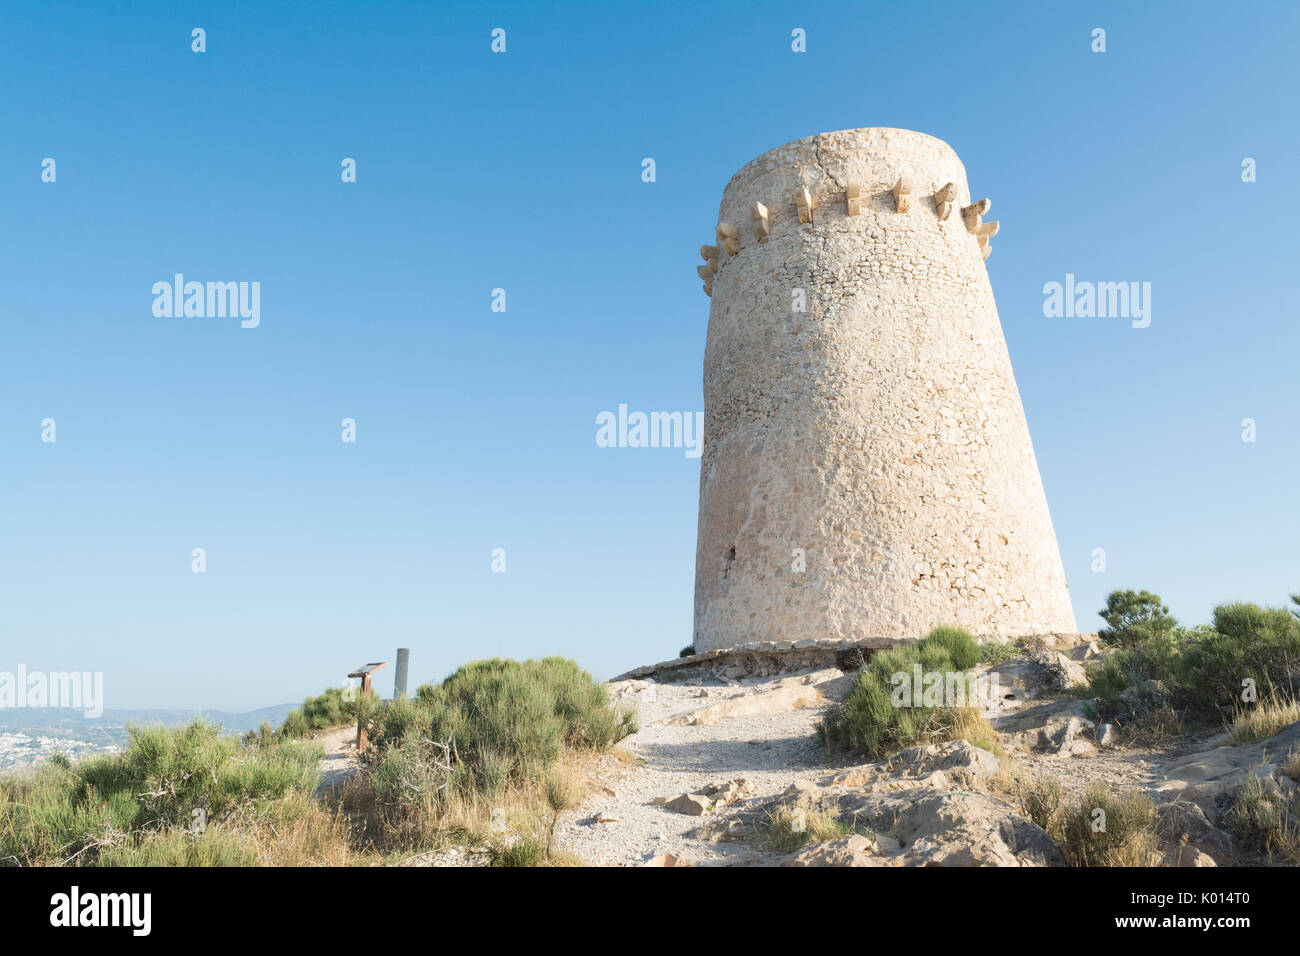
(867, 468)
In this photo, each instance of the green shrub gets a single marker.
(326, 710)
(869, 719)
(114, 804)
(1121, 835)
(999, 652)
(177, 847)
(1267, 821)
(1201, 670)
(958, 646)
(526, 851)
(1041, 800)
(687, 651)
(510, 720)
(1133, 617)
(1246, 641)
(403, 792)
(1131, 666)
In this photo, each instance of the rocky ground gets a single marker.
(726, 744)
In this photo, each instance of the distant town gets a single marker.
(29, 736)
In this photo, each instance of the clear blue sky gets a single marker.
(476, 429)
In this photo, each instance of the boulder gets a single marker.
(632, 691)
(855, 850)
(692, 804)
(1059, 727)
(803, 795)
(1059, 672)
(790, 693)
(1182, 822)
(725, 794)
(1187, 856)
(1019, 681)
(1210, 778)
(1085, 652)
(954, 828)
(1147, 694)
(959, 760)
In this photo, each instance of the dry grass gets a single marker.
(312, 836)
(1156, 726)
(966, 723)
(788, 829)
(625, 756)
(1123, 834)
(1107, 828)
(470, 819)
(1268, 717)
(1268, 820)
(1291, 766)
(1042, 800)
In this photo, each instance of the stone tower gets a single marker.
(867, 469)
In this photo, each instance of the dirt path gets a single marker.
(339, 761)
(769, 750)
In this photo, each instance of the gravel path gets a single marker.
(339, 761)
(771, 751)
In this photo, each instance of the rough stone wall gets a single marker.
(879, 432)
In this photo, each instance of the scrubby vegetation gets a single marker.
(1247, 658)
(331, 708)
(494, 748)
(1041, 799)
(1134, 617)
(1105, 828)
(874, 719)
(494, 734)
(188, 796)
(1264, 720)
(1099, 828)
(526, 851)
(789, 829)
(1268, 821)
(999, 652)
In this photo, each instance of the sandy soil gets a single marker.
(340, 760)
(770, 751)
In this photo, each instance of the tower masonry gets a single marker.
(867, 469)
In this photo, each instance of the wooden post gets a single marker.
(365, 671)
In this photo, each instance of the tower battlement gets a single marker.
(871, 172)
(867, 468)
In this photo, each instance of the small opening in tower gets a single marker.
(730, 560)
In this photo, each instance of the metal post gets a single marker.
(399, 675)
